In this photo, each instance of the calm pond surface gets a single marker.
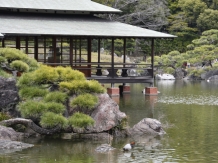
(188, 109)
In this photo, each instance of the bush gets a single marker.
(94, 87)
(174, 53)
(169, 70)
(33, 64)
(2, 59)
(85, 101)
(4, 74)
(80, 120)
(32, 109)
(58, 97)
(12, 54)
(31, 92)
(54, 107)
(27, 79)
(68, 74)
(50, 120)
(45, 75)
(82, 86)
(19, 66)
(4, 116)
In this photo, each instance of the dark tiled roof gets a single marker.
(41, 24)
(57, 5)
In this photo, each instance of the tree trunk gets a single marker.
(29, 123)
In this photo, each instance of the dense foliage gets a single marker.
(17, 60)
(46, 96)
(203, 49)
(186, 19)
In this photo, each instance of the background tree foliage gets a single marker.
(186, 19)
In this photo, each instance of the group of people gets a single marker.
(50, 56)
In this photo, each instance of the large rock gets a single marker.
(209, 74)
(180, 73)
(147, 126)
(8, 84)
(213, 78)
(8, 143)
(7, 133)
(7, 146)
(8, 94)
(106, 115)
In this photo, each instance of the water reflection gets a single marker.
(191, 107)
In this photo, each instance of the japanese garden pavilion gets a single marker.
(35, 26)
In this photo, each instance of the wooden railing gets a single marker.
(96, 68)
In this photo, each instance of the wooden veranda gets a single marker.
(62, 33)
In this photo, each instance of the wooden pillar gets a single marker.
(71, 51)
(80, 49)
(17, 42)
(99, 49)
(152, 57)
(98, 72)
(45, 49)
(113, 91)
(3, 42)
(26, 46)
(152, 90)
(112, 57)
(36, 54)
(89, 55)
(54, 48)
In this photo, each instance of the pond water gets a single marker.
(188, 110)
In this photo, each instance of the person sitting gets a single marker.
(50, 55)
(58, 55)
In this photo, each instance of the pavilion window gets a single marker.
(63, 43)
(10, 42)
(30, 46)
(41, 49)
(80, 51)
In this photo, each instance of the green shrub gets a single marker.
(196, 72)
(82, 86)
(45, 75)
(54, 107)
(4, 116)
(19, 66)
(50, 120)
(58, 97)
(95, 87)
(174, 53)
(27, 79)
(74, 87)
(12, 54)
(4, 74)
(33, 64)
(85, 101)
(80, 120)
(190, 47)
(2, 59)
(32, 109)
(31, 92)
(68, 74)
(169, 70)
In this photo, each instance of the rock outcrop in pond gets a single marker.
(9, 140)
(109, 122)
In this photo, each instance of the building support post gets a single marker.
(124, 88)
(113, 91)
(151, 90)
